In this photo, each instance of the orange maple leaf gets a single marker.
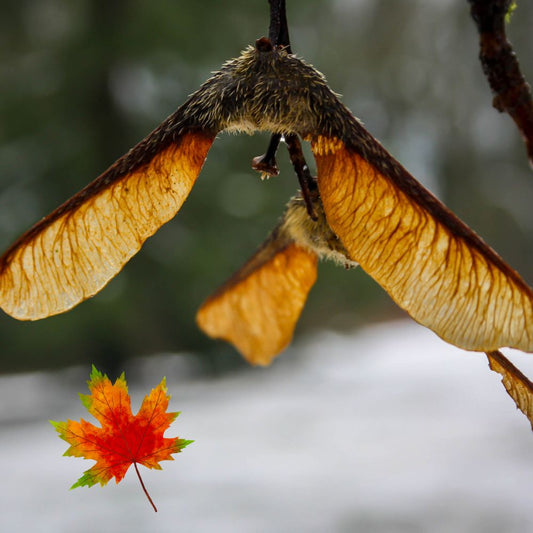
(123, 439)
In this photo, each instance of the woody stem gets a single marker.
(144, 488)
(500, 65)
(307, 183)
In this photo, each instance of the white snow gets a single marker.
(386, 430)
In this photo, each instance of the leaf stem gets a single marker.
(144, 488)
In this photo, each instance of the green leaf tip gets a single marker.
(184, 443)
(95, 374)
(60, 427)
(85, 400)
(97, 377)
(88, 480)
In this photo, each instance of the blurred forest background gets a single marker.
(82, 81)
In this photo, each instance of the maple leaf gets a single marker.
(123, 439)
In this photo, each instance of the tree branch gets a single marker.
(512, 93)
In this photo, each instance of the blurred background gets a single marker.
(368, 422)
(83, 81)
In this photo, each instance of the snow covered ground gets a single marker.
(386, 430)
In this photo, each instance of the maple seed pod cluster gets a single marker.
(432, 265)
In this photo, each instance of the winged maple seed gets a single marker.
(268, 293)
(122, 439)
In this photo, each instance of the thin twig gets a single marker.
(512, 93)
(278, 31)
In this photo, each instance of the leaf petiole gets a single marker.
(144, 488)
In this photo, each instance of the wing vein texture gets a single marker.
(434, 267)
(71, 254)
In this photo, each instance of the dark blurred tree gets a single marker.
(83, 80)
